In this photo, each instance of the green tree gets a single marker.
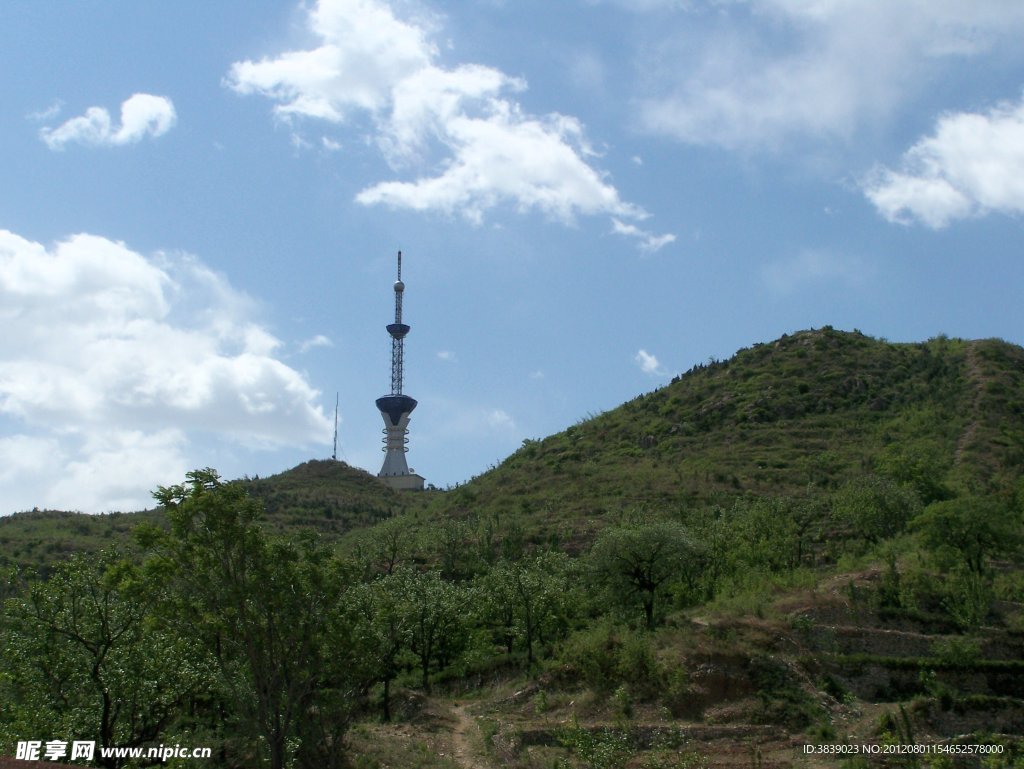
(970, 531)
(382, 620)
(767, 534)
(384, 548)
(268, 610)
(85, 659)
(638, 561)
(458, 551)
(528, 600)
(437, 613)
(922, 469)
(875, 508)
(496, 608)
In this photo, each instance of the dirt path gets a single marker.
(462, 751)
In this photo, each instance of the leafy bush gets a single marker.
(608, 655)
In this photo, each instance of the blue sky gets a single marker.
(202, 204)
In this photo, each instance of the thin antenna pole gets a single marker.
(334, 456)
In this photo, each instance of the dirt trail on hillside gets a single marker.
(462, 751)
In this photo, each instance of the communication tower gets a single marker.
(396, 407)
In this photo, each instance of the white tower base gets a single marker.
(395, 470)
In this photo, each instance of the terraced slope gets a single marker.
(822, 667)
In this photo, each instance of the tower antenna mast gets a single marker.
(334, 456)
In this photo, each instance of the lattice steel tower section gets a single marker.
(396, 407)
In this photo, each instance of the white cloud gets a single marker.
(756, 73)
(455, 419)
(499, 419)
(365, 50)
(141, 115)
(446, 355)
(534, 164)
(812, 268)
(649, 364)
(649, 242)
(462, 123)
(111, 467)
(113, 364)
(972, 165)
(49, 113)
(317, 341)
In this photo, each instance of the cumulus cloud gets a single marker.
(142, 115)
(112, 363)
(464, 123)
(649, 364)
(972, 165)
(761, 73)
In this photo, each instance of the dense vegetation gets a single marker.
(823, 533)
(816, 408)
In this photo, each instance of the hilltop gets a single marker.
(797, 416)
(325, 496)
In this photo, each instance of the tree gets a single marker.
(267, 610)
(383, 623)
(921, 469)
(767, 534)
(969, 530)
(457, 551)
(436, 612)
(528, 600)
(85, 659)
(384, 548)
(637, 561)
(875, 508)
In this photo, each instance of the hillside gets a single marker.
(33, 540)
(802, 414)
(321, 495)
(328, 496)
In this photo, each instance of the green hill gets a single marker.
(802, 414)
(328, 496)
(322, 495)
